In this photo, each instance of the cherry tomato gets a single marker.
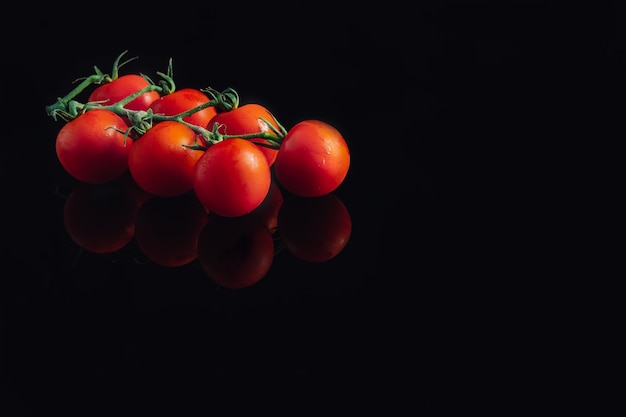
(167, 229)
(100, 217)
(122, 87)
(313, 159)
(314, 229)
(232, 178)
(235, 252)
(92, 147)
(161, 162)
(247, 119)
(182, 100)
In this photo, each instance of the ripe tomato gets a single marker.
(232, 178)
(314, 229)
(100, 218)
(122, 87)
(313, 159)
(182, 100)
(235, 252)
(247, 119)
(92, 148)
(167, 229)
(160, 161)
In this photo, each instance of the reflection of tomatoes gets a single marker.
(100, 218)
(235, 252)
(314, 229)
(167, 229)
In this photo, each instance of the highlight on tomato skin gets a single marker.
(235, 252)
(314, 229)
(100, 218)
(167, 229)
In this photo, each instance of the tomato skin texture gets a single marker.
(100, 218)
(161, 164)
(232, 178)
(314, 229)
(120, 88)
(313, 159)
(167, 229)
(247, 119)
(182, 100)
(235, 252)
(91, 147)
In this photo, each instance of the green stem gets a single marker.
(62, 102)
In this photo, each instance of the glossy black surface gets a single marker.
(474, 277)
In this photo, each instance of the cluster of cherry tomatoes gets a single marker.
(178, 142)
(173, 141)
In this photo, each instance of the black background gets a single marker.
(483, 181)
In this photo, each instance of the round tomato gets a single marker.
(232, 178)
(235, 252)
(161, 161)
(182, 100)
(122, 87)
(100, 218)
(313, 159)
(314, 229)
(247, 119)
(92, 147)
(167, 229)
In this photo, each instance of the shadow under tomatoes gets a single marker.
(235, 252)
(167, 229)
(100, 217)
(314, 229)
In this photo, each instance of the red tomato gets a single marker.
(235, 252)
(314, 229)
(182, 100)
(167, 229)
(160, 161)
(92, 148)
(232, 178)
(122, 87)
(247, 119)
(313, 159)
(100, 218)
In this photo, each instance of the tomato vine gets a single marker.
(67, 108)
